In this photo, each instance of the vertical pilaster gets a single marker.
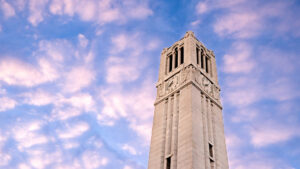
(213, 112)
(169, 127)
(175, 132)
(209, 121)
(205, 130)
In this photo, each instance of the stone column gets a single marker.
(165, 113)
(205, 130)
(215, 148)
(209, 120)
(175, 131)
(169, 127)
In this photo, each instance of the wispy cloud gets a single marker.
(247, 19)
(7, 9)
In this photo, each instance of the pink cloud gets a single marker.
(239, 60)
(7, 9)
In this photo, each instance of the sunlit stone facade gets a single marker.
(188, 129)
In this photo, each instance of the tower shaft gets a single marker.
(188, 129)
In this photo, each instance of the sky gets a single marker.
(77, 79)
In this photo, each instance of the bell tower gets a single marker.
(188, 129)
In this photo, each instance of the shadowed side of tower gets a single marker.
(188, 129)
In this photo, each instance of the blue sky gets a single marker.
(77, 79)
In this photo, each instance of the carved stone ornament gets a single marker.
(216, 93)
(160, 91)
(206, 84)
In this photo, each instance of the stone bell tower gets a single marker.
(188, 129)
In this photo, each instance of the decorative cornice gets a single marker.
(188, 75)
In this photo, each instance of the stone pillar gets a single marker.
(175, 132)
(204, 61)
(215, 148)
(169, 127)
(205, 130)
(165, 115)
(209, 121)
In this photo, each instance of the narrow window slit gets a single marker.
(181, 55)
(168, 163)
(206, 64)
(202, 55)
(211, 153)
(170, 62)
(197, 54)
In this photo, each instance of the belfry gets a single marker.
(188, 129)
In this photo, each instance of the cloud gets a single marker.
(7, 9)
(103, 11)
(37, 10)
(28, 135)
(242, 19)
(78, 78)
(239, 25)
(92, 159)
(17, 72)
(73, 130)
(83, 41)
(256, 160)
(239, 60)
(274, 131)
(7, 103)
(129, 148)
(65, 113)
(135, 105)
(38, 98)
(83, 101)
(127, 167)
(122, 70)
(127, 57)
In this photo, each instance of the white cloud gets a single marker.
(7, 103)
(129, 148)
(39, 158)
(56, 50)
(4, 159)
(239, 59)
(241, 160)
(23, 166)
(122, 70)
(38, 98)
(7, 9)
(127, 167)
(37, 11)
(28, 135)
(247, 19)
(140, 12)
(240, 25)
(16, 72)
(83, 101)
(83, 41)
(65, 113)
(135, 105)
(127, 59)
(78, 78)
(92, 159)
(73, 130)
(103, 11)
(271, 132)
